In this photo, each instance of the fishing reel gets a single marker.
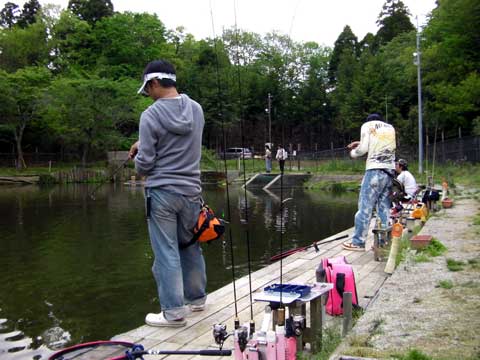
(298, 324)
(220, 334)
(242, 337)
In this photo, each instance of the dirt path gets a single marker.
(425, 305)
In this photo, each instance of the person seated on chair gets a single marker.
(406, 178)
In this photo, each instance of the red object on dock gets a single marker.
(447, 203)
(420, 241)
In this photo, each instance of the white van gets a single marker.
(236, 152)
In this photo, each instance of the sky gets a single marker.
(321, 21)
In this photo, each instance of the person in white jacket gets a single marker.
(406, 178)
(281, 156)
(377, 139)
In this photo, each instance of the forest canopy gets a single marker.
(68, 78)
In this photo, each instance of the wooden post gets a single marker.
(347, 313)
(316, 324)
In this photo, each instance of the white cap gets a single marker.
(156, 75)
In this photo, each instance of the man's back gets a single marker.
(378, 140)
(170, 145)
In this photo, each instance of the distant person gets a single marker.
(406, 178)
(268, 159)
(281, 156)
(377, 138)
(168, 153)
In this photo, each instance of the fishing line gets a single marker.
(224, 138)
(283, 150)
(242, 136)
(121, 166)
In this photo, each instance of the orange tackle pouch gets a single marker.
(208, 227)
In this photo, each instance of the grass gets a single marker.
(455, 265)
(403, 250)
(331, 339)
(445, 284)
(466, 174)
(422, 257)
(435, 248)
(476, 220)
(413, 354)
(474, 263)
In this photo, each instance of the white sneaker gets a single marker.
(196, 308)
(160, 321)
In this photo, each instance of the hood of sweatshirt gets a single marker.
(176, 114)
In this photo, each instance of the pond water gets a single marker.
(73, 269)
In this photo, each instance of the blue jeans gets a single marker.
(179, 273)
(375, 191)
(268, 165)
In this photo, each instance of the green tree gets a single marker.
(90, 114)
(21, 95)
(72, 44)
(91, 10)
(24, 47)
(125, 42)
(451, 60)
(29, 12)
(345, 45)
(393, 20)
(9, 15)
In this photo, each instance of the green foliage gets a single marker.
(9, 15)
(21, 96)
(403, 250)
(422, 257)
(414, 354)
(23, 47)
(88, 113)
(91, 10)
(319, 96)
(435, 248)
(393, 20)
(29, 12)
(455, 265)
(445, 284)
(331, 338)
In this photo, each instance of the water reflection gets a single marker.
(75, 269)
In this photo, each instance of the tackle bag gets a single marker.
(208, 227)
(337, 272)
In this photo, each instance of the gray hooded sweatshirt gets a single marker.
(171, 145)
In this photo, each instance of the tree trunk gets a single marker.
(18, 142)
(84, 155)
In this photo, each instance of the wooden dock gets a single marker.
(297, 268)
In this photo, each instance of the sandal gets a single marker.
(348, 245)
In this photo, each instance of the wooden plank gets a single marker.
(297, 268)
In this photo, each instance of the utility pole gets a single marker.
(420, 120)
(270, 119)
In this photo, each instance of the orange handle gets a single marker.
(397, 230)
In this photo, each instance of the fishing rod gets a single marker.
(131, 351)
(295, 250)
(121, 166)
(227, 186)
(242, 136)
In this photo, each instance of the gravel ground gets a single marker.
(424, 305)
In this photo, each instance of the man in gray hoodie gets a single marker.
(168, 153)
